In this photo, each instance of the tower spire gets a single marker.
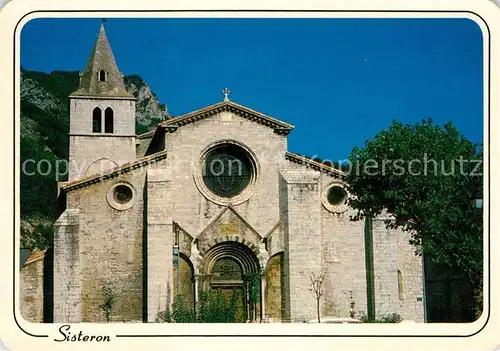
(102, 76)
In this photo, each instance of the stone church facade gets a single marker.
(203, 202)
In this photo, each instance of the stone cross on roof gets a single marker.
(226, 93)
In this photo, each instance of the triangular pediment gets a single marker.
(279, 127)
(228, 225)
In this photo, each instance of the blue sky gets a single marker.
(339, 81)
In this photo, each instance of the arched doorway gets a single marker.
(233, 268)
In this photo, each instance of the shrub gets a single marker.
(182, 313)
(388, 318)
(164, 316)
(108, 301)
(212, 307)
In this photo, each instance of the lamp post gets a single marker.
(176, 261)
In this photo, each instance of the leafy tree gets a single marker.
(40, 237)
(426, 177)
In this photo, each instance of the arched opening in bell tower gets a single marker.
(102, 75)
(96, 120)
(108, 120)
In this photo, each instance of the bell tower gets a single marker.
(102, 116)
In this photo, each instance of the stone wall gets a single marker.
(385, 248)
(160, 241)
(141, 146)
(86, 147)
(186, 278)
(81, 115)
(190, 208)
(274, 288)
(302, 254)
(343, 253)
(95, 154)
(410, 265)
(67, 268)
(392, 252)
(31, 295)
(109, 247)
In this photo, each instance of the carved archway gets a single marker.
(243, 255)
(233, 268)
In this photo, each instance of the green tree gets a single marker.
(426, 177)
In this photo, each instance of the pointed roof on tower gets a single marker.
(101, 77)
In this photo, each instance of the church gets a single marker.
(205, 201)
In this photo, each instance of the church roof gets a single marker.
(34, 256)
(279, 127)
(114, 172)
(314, 165)
(91, 82)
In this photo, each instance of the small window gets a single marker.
(102, 75)
(122, 194)
(400, 285)
(108, 120)
(336, 196)
(96, 120)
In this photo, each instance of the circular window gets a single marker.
(334, 198)
(227, 173)
(121, 196)
(227, 170)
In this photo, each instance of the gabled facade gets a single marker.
(220, 185)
